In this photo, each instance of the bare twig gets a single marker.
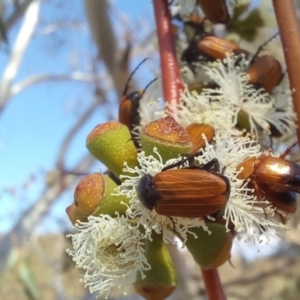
(18, 13)
(262, 276)
(31, 217)
(290, 37)
(187, 272)
(213, 285)
(103, 34)
(22, 41)
(115, 60)
(67, 141)
(42, 78)
(172, 85)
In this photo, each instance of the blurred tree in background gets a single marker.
(64, 66)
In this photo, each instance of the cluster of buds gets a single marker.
(199, 176)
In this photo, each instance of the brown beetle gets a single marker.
(215, 10)
(187, 192)
(129, 104)
(265, 72)
(210, 48)
(274, 179)
(216, 48)
(275, 173)
(128, 109)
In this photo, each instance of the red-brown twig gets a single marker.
(213, 285)
(290, 37)
(172, 85)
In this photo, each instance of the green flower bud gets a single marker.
(161, 279)
(111, 143)
(170, 138)
(93, 196)
(196, 88)
(243, 121)
(210, 250)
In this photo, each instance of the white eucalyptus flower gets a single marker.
(249, 214)
(197, 108)
(111, 251)
(235, 92)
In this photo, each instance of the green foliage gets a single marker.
(247, 26)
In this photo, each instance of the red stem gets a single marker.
(172, 85)
(214, 288)
(290, 37)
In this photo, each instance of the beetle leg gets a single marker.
(172, 222)
(260, 195)
(227, 193)
(261, 47)
(218, 214)
(288, 150)
(185, 158)
(212, 166)
(282, 217)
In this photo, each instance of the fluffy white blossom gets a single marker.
(248, 213)
(197, 108)
(150, 109)
(238, 95)
(111, 251)
(233, 100)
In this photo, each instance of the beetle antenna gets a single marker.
(130, 77)
(282, 76)
(112, 176)
(130, 140)
(260, 48)
(184, 158)
(136, 142)
(144, 90)
(271, 142)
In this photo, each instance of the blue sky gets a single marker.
(36, 121)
